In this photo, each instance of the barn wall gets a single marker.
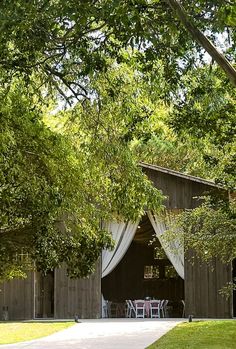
(18, 294)
(80, 297)
(202, 285)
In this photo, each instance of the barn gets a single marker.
(135, 269)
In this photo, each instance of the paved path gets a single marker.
(103, 334)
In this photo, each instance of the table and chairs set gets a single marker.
(139, 308)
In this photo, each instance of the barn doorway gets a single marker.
(234, 291)
(145, 272)
(44, 295)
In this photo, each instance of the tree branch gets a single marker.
(198, 36)
(68, 84)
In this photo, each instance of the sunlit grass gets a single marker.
(12, 332)
(199, 335)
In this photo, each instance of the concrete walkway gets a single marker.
(104, 334)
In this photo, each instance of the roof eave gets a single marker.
(179, 174)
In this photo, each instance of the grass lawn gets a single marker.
(12, 332)
(199, 335)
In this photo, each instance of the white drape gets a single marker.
(173, 249)
(123, 234)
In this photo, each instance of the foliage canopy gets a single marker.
(136, 85)
(58, 182)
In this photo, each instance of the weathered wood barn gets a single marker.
(142, 271)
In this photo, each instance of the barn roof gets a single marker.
(179, 174)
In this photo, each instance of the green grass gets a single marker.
(12, 332)
(199, 335)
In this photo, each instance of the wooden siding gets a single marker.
(18, 296)
(72, 297)
(80, 297)
(180, 193)
(202, 285)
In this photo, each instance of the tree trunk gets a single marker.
(202, 40)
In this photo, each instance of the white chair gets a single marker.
(139, 308)
(155, 308)
(163, 305)
(130, 309)
(107, 309)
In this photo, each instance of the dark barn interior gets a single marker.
(144, 272)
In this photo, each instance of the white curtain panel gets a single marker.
(173, 249)
(123, 234)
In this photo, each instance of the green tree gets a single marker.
(65, 41)
(209, 231)
(58, 183)
(61, 48)
(205, 110)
